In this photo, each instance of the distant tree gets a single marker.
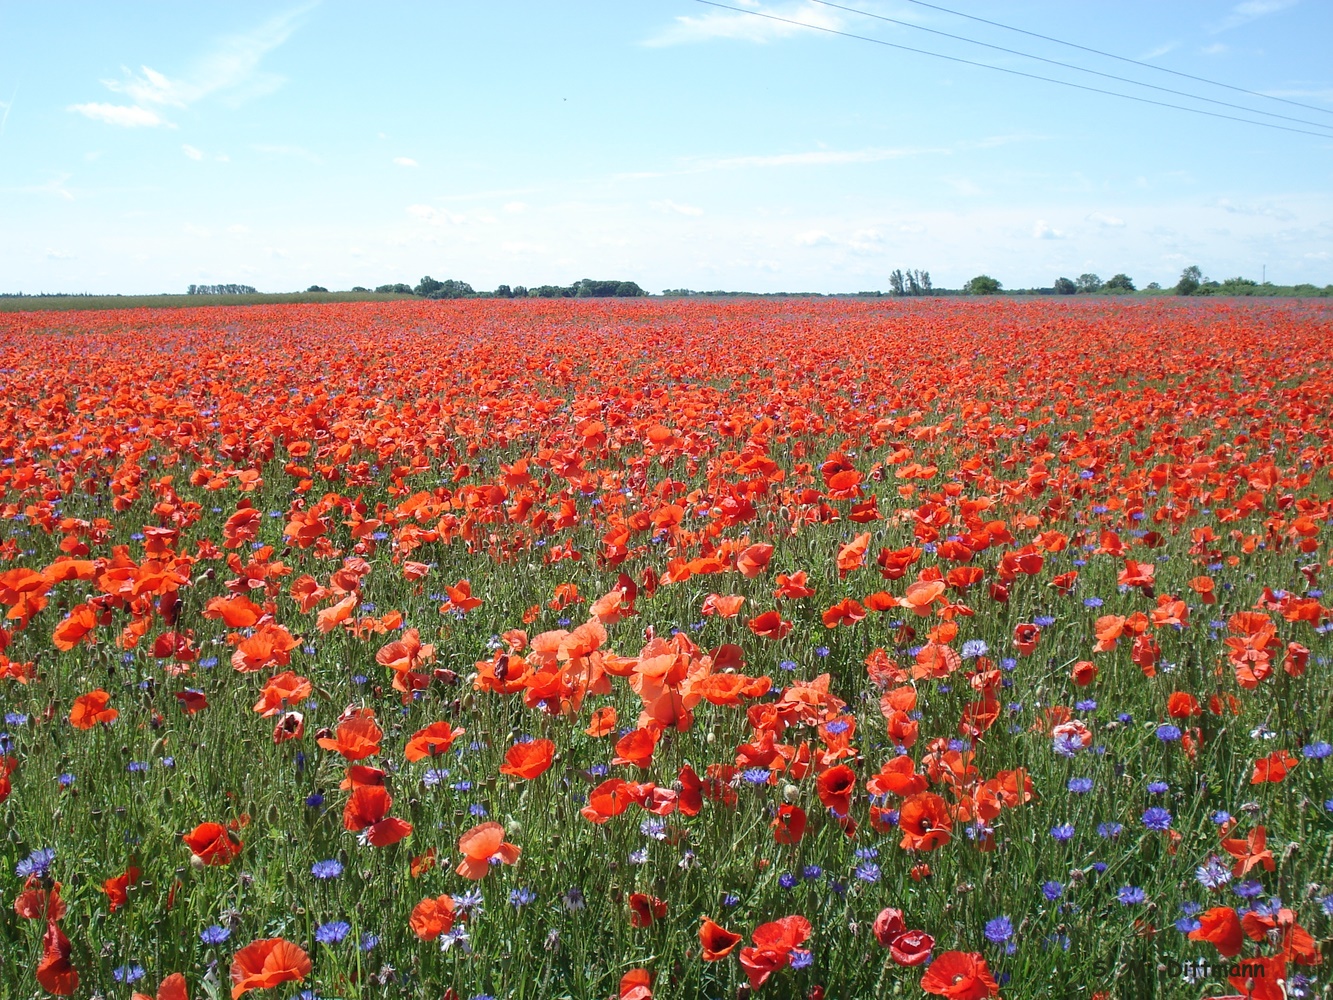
(1190, 280)
(924, 278)
(504, 292)
(982, 284)
(221, 290)
(359, 288)
(897, 285)
(400, 288)
(520, 292)
(1152, 286)
(1119, 283)
(629, 290)
(448, 289)
(1088, 283)
(316, 288)
(426, 286)
(1064, 286)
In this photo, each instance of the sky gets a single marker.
(148, 146)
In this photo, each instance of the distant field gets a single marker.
(59, 303)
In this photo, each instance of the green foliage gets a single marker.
(1190, 280)
(1064, 286)
(1088, 283)
(1119, 283)
(316, 288)
(983, 284)
(401, 288)
(221, 290)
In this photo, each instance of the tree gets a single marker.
(1190, 280)
(427, 285)
(400, 288)
(504, 292)
(1089, 283)
(1065, 286)
(1119, 283)
(896, 284)
(982, 284)
(316, 288)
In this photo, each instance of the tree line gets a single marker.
(451, 288)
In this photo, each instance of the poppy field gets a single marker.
(798, 648)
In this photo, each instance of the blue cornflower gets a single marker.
(1158, 787)
(369, 941)
(1044, 621)
(1130, 895)
(787, 880)
(1086, 705)
(999, 930)
(1093, 602)
(1099, 867)
(639, 857)
(15, 718)
(521, 897)
(654, 827)
(756, 775)
(472, 899)
(1063, 832)
(1080, 786)
(314, 800)
(1052, 890)
(331, 868)
(801, 959)
(974, 648)
(1213, 873)
(1317, 751)
(1248, 890)
(1221, 817)
(65, 780)
(333, 932)
(821, 651)
(839, 726)
(135, 766)
(1168, 733)
(1067, 745)
(731, 900)
(214, 934)
(867, 871)
(129, 973)
(1109, 830)
(1157, 818)
(1326, 904)
(811, 871)
(787, 665)
(1187, 925)
(866, 853)
(37, 863)
(1008, 663)
(477, 809)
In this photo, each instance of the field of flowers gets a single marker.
(790, 649)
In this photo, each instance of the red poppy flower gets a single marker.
(960, 976)
(264, 964)
(213, 844)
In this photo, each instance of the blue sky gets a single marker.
(147, 146)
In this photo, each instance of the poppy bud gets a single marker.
(790, 793)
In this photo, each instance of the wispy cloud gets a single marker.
(818, 157)
(1324, 94)
(1158, 52)
(231, 71)
(124, 115)
(1250, 10)
(735, 26)
(1042, 230)
(1106, 221)
(405, 161)
(7, 105)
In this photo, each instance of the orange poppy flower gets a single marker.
(117, 888)
(213, 844)
(432, 917)
(716, 940)
(960, 976)
(528, 760)
(482, 845)
(754, 559)
(283, 691)
(924, 821)
(644, 909)
(264, 964)
(1251, 851)
(603, 722)
(723, 607)
(55, 972)
(1220, 927)
(431, 741)
(836, 786)
(636, 748)
(90, 709)
(171, 988)
(789, 824)
(1272, 768)
(769, 625)
(356, 738)
(367, 813)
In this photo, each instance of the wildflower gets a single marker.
(999, 930)
(1168, 733)
(129, 973)
(332, 932)
(1213, 873)
(1063, 832)
(1110, 830)
(1158, 787)
(1157, 818)
(867, 871)
(521, 897)
(214, 934)
(1052, 890)
(1317, 751)
(573, 899)
(37, 863)
(1080, 786)
(1129, 895)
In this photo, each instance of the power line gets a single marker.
(1112, 55)
(1011, 72)
(1073, 66)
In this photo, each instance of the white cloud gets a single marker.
(1109, 221)
(814, 238)
(670, 206)
(1216, 49)
(238, 229)
(743, 27)
(1158, 52)
(191, 152)
(1250, 10)
(514, 207)
(59, 255)
(230, 70)
(1042, 230)
(435, 216)
(124, 115)
(405, 161)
